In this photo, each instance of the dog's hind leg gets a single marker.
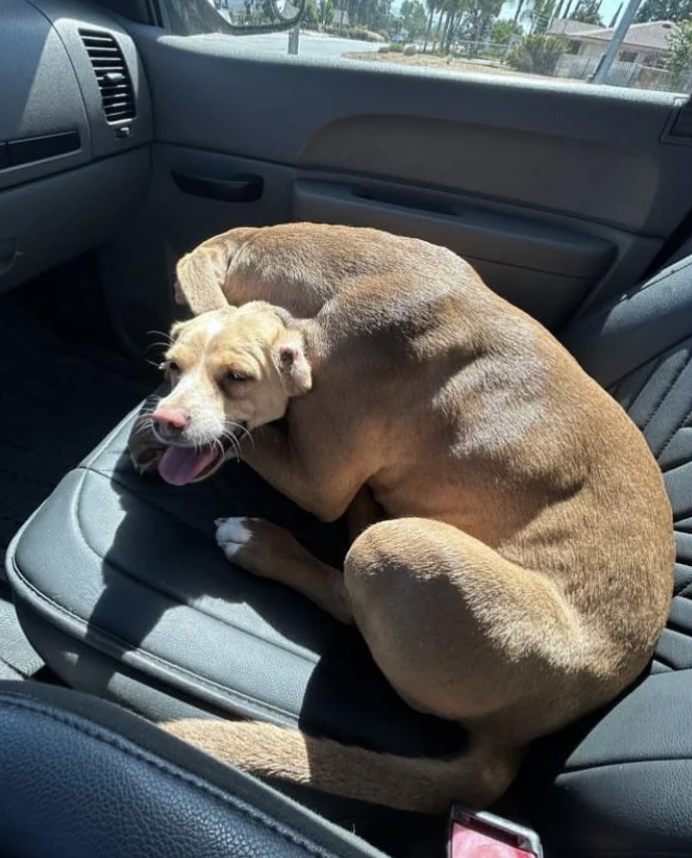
(463, 633)
(459, 632)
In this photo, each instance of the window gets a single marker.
(499, 37)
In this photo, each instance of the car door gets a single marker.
(560, 192)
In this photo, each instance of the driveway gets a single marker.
(322, 47)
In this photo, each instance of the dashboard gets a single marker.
(75, 129)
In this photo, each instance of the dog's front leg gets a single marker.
(273, 552)
(272, 454)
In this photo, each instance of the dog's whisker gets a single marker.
(144, 429)
(244, 431)
(236, 446)
(151, 405)
(230, 439)
(222, 452)
(233, 440)
(163, 334)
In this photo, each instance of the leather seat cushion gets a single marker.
(117, 575)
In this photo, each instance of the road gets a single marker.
(322, 47)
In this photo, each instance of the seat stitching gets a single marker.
(233, 695)
(147, 654)
(104, 736)
(622, 763)
(639, 366)
(637, 290)
(677, 628)
(666, 662)
(174, 597)
(283, 647)
(675, 465)
(650, 365)
(229, 693)
(103, 446)
(664, 396)
(680, 425)
(89, 468)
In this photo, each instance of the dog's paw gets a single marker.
(256, 545)
(233, 534)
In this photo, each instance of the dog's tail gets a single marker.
(423, 784)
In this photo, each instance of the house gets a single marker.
(566, 27)
(645, 45)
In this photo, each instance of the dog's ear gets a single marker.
(292, 364)
(179, 295)
(201, 276)
(176, 328)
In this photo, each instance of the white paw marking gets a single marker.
(234, 530)
(230, 549)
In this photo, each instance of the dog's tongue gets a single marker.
(181, 465)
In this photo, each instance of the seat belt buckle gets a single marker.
(483, 835)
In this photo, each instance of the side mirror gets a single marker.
(234, 17)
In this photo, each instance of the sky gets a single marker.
(608, 9)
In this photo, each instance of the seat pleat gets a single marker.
(658, 397)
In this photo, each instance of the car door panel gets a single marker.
(555, 192)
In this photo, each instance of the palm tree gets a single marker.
(432, 8)
(518, 10)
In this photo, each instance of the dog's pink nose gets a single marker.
(170, 421)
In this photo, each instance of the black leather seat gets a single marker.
(80, 778)
(120, 587)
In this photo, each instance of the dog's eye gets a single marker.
(235, 375)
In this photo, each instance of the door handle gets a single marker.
(243, 188)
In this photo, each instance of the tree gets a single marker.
(371, 14)
(481, 16)
(519, 9)
(325, 12)
(463, 17)
(665, 10)
(616, 15)
(537, 54)
(432, 8)
(537, 13)
(502, 31)
(541, 14)
(413, 18)
(679, 63)
(588, 12)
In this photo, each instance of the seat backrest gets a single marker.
(640, 349)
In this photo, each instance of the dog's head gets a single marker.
(230, 370)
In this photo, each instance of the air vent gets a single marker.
(112, 76)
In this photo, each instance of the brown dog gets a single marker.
(523, 570)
